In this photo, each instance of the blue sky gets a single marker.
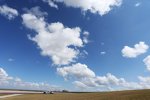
(75, 45)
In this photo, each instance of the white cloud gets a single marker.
(94, 6)
(85, 79)
(51, 3)
(18, 79)
(108, 79)
(79, 84)
(11, 59)
(3, 73)
(107, 82)
(85, 52)
(36, 11)
(85, 38)
(102, 81)
(7, 81)
(103, 53)
(55, 39)
(8, 12)
(147, 62)
(144, 82)
(144, 79)
(137, 50)
(137, 4)
(78, 71)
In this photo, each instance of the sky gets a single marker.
(77, 45)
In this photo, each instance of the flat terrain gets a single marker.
(3, 94)
(9, 95)
(17, 92)
(122, 95)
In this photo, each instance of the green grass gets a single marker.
(123, 95)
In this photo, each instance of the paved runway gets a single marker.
(16, 92)
(11, 95)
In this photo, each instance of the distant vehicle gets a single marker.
(51, 92)
(65, 91)
(48, 92)
(45, 92)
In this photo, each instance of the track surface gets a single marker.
(11, 95)
(17, 92)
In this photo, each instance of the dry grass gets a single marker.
(124, 95)
(3, 94)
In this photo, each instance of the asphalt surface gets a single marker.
(17, 92)
(10, 95)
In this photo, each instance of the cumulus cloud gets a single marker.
(51, 3)
(144, 82)
(144, 79)
(86, 79)
(8, 12)
(111, 82)
(102, 81)
(7, 81)
(80, 85)
(36, 11)
(94, 6)
(55, 40)
(78, 71)
(137, 50)
(108, 79)
(147, 62)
